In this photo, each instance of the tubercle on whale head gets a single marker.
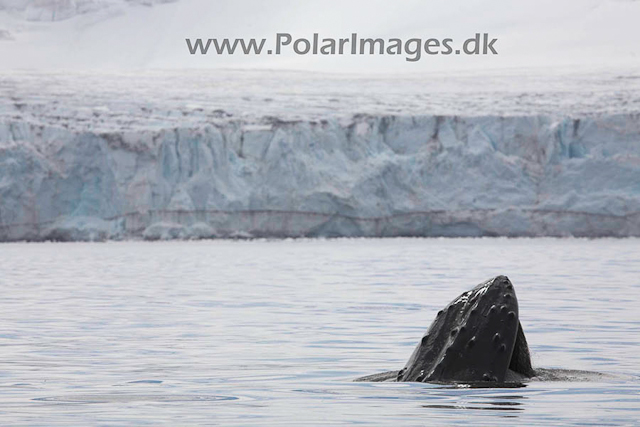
(473, 339)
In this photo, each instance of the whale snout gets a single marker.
(473, 338)
(501, 283)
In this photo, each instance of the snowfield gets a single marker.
(202, 154)
(60, 10)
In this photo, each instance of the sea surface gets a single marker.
(274, 332)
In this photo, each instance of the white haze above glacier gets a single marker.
(117, 34)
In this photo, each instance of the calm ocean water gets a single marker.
(273, 332)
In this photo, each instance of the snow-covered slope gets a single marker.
(86, 156)
(60, 10)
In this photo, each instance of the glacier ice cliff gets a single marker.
(95, 172)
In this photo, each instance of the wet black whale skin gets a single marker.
(473, 339)
(476, 338)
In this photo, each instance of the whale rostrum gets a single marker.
(477, 338)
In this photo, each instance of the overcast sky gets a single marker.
(585, 34)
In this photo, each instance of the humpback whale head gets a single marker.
(476, 338)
